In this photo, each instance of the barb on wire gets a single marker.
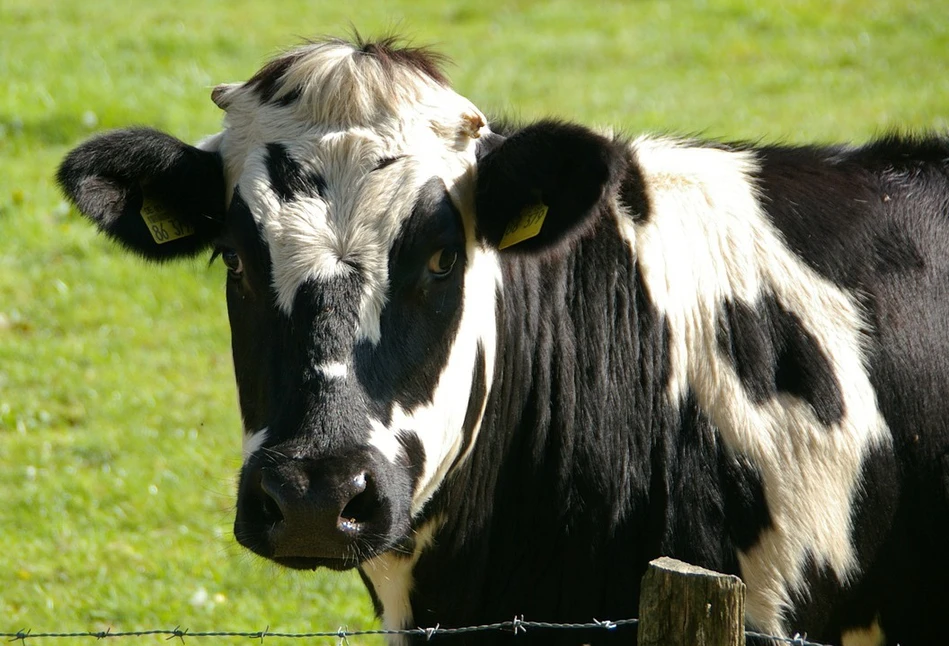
(430, 632)
(797, 640)
(518, 625)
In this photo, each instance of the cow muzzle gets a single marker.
(306, 513)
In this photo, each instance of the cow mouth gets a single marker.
(314, 562)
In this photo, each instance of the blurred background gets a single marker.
(119, 427)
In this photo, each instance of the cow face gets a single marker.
(362, 289)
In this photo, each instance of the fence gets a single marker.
(680, 605)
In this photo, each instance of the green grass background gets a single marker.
(119, 428)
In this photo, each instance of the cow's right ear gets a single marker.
(156, 195)
(542, 184)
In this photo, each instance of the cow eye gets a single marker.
(232, 261)
(442, 262)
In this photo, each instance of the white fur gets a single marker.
(391, 578)
(707, 239)
(384, 439)
(872, 635)
(334, 370)
(253, 442)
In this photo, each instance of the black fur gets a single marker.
(267, 82)
(288, 178)
(773, 352)
(564, 166)
(112, 175)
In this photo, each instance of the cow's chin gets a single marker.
(313, 563)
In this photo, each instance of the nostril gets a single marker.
(362, 508)
(269, 498)
(272, 510)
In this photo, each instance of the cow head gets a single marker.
(358, 204)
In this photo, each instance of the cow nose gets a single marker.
(308, 510)
(345, 505)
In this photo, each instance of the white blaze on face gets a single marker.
(439, 426)
(705, 240)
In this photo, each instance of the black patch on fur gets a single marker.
(745, 506)
(632, 190)
(287, 176)
(835, 205)
(111, 176)
(376, 601)
(414, 454)
(324, 317)
(393, 52)
(564, 166)
(422, 314)
(747, 341)
(267, 82)
(252, 313)
(773, 352)
(289, 97)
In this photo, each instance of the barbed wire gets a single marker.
(517, 625)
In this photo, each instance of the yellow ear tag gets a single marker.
(526, 226)
(164, 227)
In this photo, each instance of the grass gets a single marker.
(119, 429)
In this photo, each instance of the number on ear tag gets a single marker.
(163, 226)
(524, 227)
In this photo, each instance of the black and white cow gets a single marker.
(735, 355)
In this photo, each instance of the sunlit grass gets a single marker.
(119, 429)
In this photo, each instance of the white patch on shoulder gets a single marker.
(872, 635)
(253, 442)
(391, 578)
(706, 239)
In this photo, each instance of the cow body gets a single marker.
(734, 355)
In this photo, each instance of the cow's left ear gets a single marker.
(549, 175)
(156, 195)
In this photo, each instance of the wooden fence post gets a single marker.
(684, 605)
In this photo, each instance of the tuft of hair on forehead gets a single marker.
(349, 83)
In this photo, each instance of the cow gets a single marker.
(497, 368)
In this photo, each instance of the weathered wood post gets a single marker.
(684, 605)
